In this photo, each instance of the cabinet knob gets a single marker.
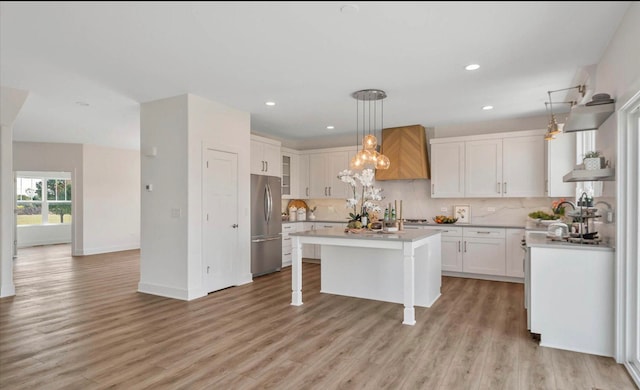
(235, 225)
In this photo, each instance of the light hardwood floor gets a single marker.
(78, 323)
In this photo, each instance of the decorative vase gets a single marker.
(593, 163)
(364, 220)
(312, 216)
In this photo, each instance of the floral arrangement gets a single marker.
(558, 210)
(366, 196)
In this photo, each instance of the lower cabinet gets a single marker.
(450, 246)
(483, 251)
(515, 253)
(287, 251)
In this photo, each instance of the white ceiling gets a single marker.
(306, 56)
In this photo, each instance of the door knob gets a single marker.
(235, 225)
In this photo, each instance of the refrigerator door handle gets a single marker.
(265, 201)
(269, 204)
(266, 239)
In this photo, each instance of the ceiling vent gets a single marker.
(406, 148)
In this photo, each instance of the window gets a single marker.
(586, 142)
(37, 208)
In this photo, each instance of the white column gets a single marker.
(7, 220)
(409, 283)
(296, 272)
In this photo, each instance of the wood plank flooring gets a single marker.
(78, 323)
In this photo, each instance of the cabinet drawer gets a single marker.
(286, 241)
(289, 227)
(286, 257)
(484, 232)
(448, 231)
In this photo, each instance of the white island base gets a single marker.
(400, 268)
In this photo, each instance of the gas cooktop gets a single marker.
(416, 220)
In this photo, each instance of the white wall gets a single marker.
(111, 180)
(171, 248)
(39, 156)
(163, 239)
(7, 223)
(618, 74)
(31, 235)
(216, 126)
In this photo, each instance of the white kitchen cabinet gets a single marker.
(483, 168)
(451, 247)
(515, 254)
(572, 298)
(484, 251)
(286, 242)
(309, 251)
(291, 175)
(303, 176)
(326, 225)
(265, 156)
(489, 166)
(560, 159)
(447, 170)
(323, 175)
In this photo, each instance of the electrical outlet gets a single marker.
(444, 209)
(175, 213)
(609, 216)
(491, 209)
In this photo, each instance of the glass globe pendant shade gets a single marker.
(369, 142)
(356, 162)
(383, 162)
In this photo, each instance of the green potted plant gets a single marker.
(592, 160)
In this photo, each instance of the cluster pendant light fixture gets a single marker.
(552, 127)
(369, 112)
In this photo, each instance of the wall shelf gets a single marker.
(606, 174)
(582, 118)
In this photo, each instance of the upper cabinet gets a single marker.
(447, 170)
(265, 156)
(323, 175)
(295, 174)
(561, 157)
(489, 166)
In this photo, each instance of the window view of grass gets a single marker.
(37, 219)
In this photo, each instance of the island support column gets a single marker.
(296, 272)
(409, 283)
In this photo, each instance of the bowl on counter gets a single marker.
(442, 219)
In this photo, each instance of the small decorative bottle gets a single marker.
(393, 214)
(386, 214)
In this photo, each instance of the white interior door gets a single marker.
(220, 220)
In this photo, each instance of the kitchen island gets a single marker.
(401, 267)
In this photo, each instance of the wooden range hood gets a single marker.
(406, 148)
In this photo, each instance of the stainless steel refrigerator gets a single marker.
(266, 225)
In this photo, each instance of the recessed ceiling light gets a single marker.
(349, 9)
(487, 108)
(83, 104)
(472, 67)
(330, 127)
(270, 103)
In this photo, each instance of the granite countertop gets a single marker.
(540, 240)
(473, 225)
(403, 236)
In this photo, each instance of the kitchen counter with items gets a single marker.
(424, 222)
(540, 240)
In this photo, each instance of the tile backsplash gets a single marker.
(417, 203)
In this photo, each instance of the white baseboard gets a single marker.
(7, 291)
(495, 278)
(245, 279)
(164, 291)
(42, 242)
(108, 249)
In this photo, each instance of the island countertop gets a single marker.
(401, 236)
